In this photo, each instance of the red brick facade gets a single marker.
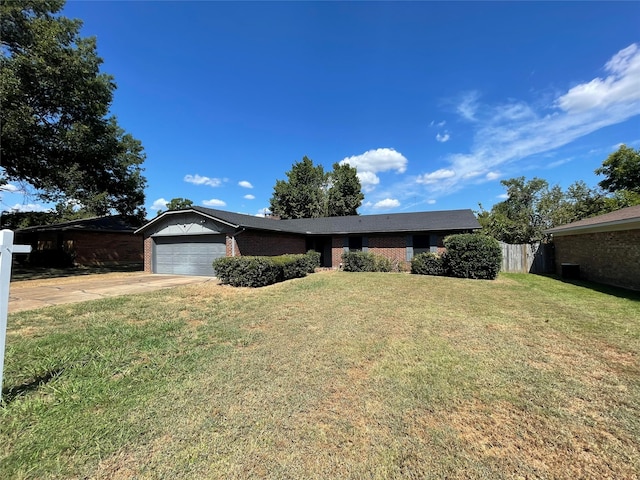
(148, 255)
(96, 248)
(612, 258)
(257, 243)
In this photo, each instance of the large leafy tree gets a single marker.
(345, 192)
(309, 192)
(57, 135)
(621, 170)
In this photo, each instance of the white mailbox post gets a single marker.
(7, 249)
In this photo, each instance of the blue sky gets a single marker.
(433, 103)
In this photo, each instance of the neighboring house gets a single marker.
(605, 249)
(106, 240)
(187, 241)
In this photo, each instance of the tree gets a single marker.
(622, 171)
(309, 192)
(345, 193)
(178, 203)
(56, 132)
(303, 195)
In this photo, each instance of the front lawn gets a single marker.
(336, 375)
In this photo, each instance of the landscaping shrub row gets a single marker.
(262, 271)
(467, 255)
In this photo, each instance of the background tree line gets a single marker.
(532, 206)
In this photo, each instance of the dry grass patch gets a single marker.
(337, 375)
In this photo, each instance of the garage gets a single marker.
(188, 255)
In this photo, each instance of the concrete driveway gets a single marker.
(31, 294)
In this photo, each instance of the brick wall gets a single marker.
(95, 248)
(612, 258)
(265, 243)
(148, 255)
(392, 247)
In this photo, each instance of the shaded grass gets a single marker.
(333, 376)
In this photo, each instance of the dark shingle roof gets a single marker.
(624, 216)
(112, 223)
(386, 223)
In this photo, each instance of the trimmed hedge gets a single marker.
(471, 255)
(262, 271)
(365, 262)
(428, 264)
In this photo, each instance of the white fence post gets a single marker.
(7, 249)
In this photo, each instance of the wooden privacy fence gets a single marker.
(527, 258)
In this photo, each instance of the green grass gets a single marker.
(336, 375)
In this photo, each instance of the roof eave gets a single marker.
(626, 224)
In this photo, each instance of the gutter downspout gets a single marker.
(233, 241)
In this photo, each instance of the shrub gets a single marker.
(472, 255)
(262, 271)
(428, 264)
(365, 262)
(357, 261)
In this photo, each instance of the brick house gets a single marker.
(605, 248)
(187, 241)
(108, 240)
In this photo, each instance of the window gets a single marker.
(355, 244)
(421, 244)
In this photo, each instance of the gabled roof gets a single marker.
(111, 223)
(624, 219)
(445, 220)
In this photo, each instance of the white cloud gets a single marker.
(249, 197)
(503, 196)
(159, 204)
(435, 177)
(511, 132)
(387, 203)
(245, 184)
(442, 138)
(373, 161)
(492, 175)
(431, 201)
(619, 88)
(263, 212)
(214, 202)
(468, 106)
(437, 124)
(200, 180)
(28, 207)
(10, 188)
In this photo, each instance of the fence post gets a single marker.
(7, 249)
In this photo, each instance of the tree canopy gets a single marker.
(309, 192)
(532, 207)
(621, 170)
(57, 135)
(177, 203)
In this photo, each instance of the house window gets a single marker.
(421, 244)
(355, 244)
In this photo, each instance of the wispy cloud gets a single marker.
(443, 137)
(28, 207)
(245, 184)
(386, 203)
(249, 197)
(200, 180)
(512, 131)
(214, 202)
(372, 162)
(10, 188)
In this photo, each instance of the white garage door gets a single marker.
(188, 255)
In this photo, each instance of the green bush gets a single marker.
(262, 271)
(428, 264)
(357, 261)
(365, 262)
(470, 255)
